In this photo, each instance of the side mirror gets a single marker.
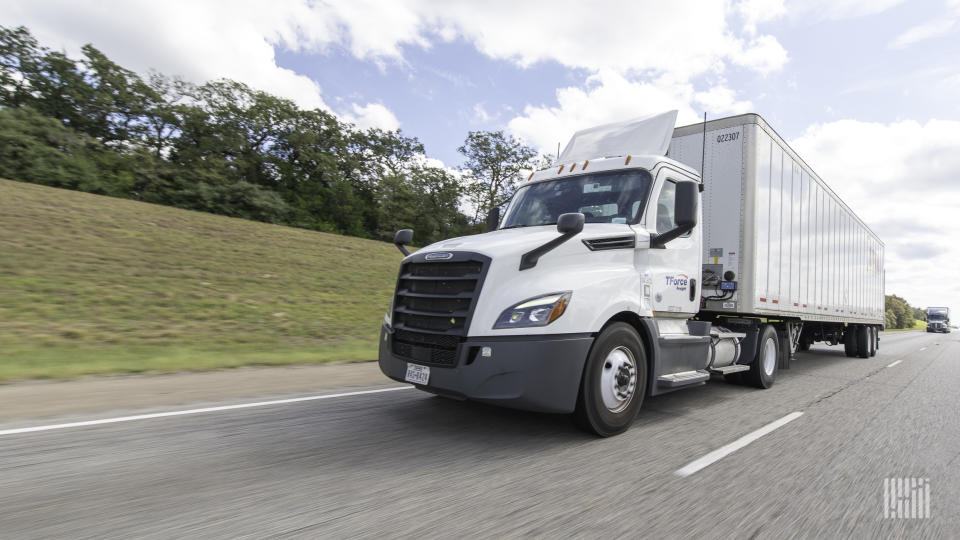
(685, 209)
(570, 224)
(402, 238)
(685, 205)
(493, 218)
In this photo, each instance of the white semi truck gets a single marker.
(623, 272)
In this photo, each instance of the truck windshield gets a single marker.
(937, 315)
(610, 197)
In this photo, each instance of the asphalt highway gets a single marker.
(407, 464)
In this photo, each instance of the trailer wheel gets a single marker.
(614, 382)
(850, 342)
(803, 344)
(763, 369)
(873, 340)
(863, 342)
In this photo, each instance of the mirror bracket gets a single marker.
(569, 225)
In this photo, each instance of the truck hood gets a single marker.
(516, 242)
(572, 266)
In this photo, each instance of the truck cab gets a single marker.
(938, 319)
(594, 260)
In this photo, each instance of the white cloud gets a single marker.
(216, 37)
(579, 34)
(927, 30)
(610, 96)
(239, 39)
(197, 40)
(840, 9)
(721, 100)
(901, 178)
(763, 54)
(607, 97)
(480, 114)
(371, 115)
(755, 12)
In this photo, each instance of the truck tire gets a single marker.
(803, 344)
(863, 341)
(850, 342)
(763, 369)
(614, 382)
(873, 340)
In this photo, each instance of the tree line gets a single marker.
(900, 314)
(92, 125)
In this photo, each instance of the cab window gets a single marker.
(665, 205)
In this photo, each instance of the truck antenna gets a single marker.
(703, 154)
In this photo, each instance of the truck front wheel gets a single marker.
(614, 381)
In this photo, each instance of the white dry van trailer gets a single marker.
(623, 272)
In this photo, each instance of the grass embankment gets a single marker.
(96, 285)
(917, 325)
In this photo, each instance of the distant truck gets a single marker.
(938, 319)
(623, 272)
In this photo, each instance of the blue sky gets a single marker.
(437, 94)
(865, 90)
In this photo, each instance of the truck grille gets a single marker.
(433, 305)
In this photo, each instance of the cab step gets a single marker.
(683, 378)
(727, 370)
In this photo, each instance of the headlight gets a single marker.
(539, 311)
(389, 315)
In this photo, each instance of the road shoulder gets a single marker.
(34, 399)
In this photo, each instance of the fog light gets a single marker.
(486, 352)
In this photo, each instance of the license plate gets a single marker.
(417, 374)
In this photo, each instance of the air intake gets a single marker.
(613, 242)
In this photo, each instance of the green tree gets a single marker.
(425, 199)
(93, 125)
(38, 149)
(494, 163)
(19, 56)
(902, 311)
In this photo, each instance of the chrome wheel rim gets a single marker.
(769, 356)
(618, 379)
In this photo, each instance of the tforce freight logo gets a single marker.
(679, 281)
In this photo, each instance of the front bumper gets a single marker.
(536, 373)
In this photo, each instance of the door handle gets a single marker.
(693, 289)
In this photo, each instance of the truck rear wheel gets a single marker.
(873, 340)
(763, 369)
(850, 342)
(863, 342)
(614, 382)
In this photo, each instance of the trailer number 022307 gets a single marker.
(728, 137)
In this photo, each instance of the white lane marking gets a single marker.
(725, 451)
(923, 349)
(897, 362)
(194, 411)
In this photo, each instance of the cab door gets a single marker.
(674, 268)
